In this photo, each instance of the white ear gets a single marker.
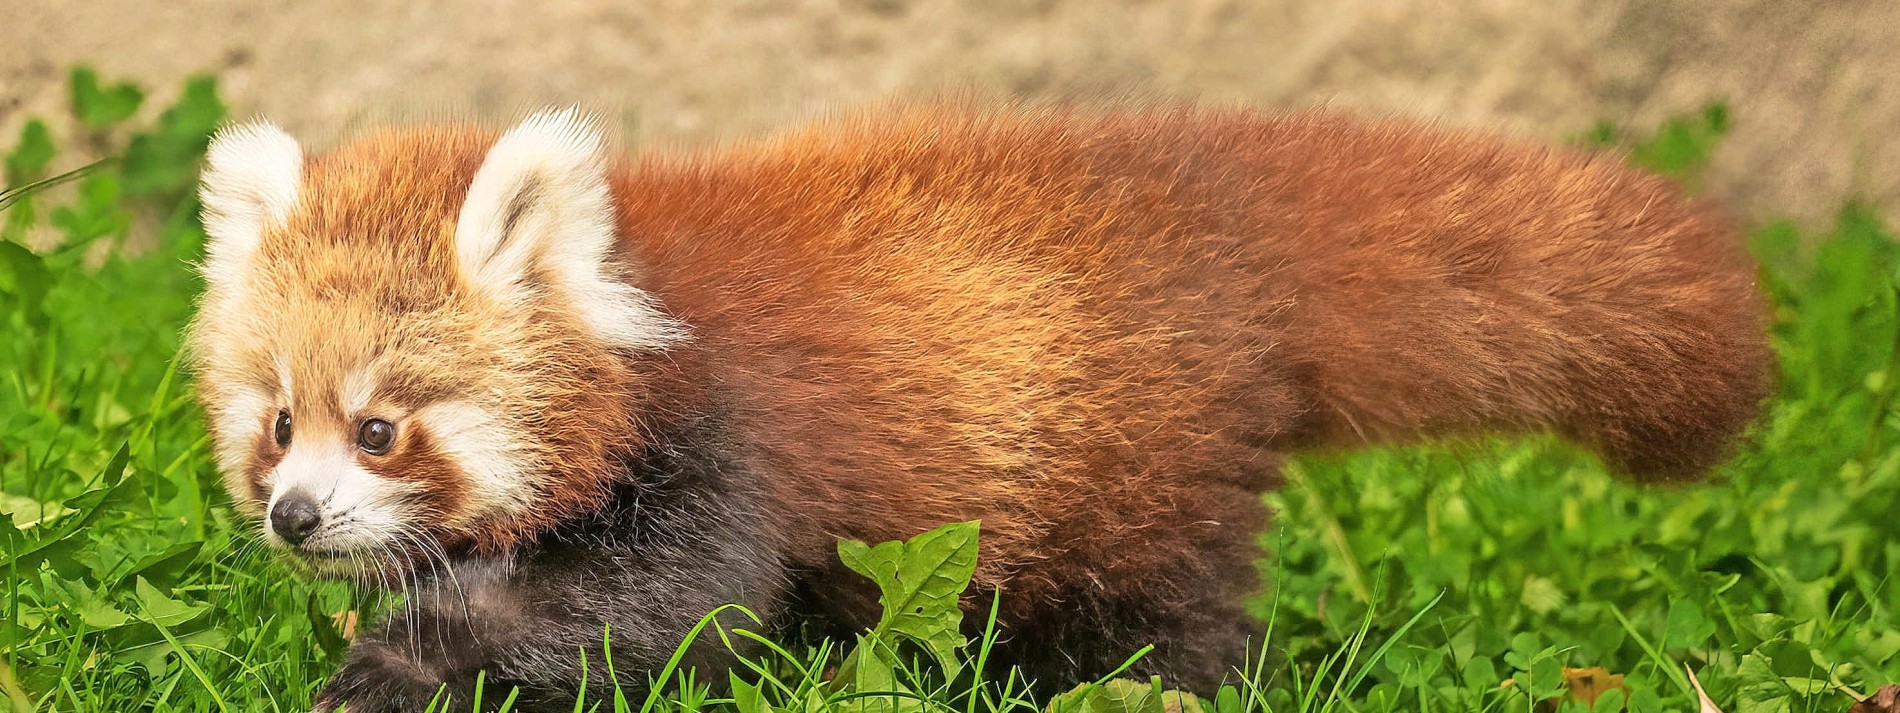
(250, 183)
(539, 207)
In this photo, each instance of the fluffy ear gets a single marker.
(250, 184)
(539, 208)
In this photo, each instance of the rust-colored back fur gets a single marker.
(1095, 331)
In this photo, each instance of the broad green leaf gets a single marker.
(163, 568)
(1686, 625)
(873, 669)
(920, 582)
(164, 161)
(1612, 701)
(1775, 704)
(746, 697)
(163, 609)
(1546, 678)
(60, 541)
(153, 656)
(31, 156)
(98, 212)
(24, 278)
(1789, 659)
(1481, 674)
(1803, 686)
(1123, 695)
(101, 107)
(1227, 700)
(92, 607)
(28, 513)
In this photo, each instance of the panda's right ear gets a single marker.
(251, 177)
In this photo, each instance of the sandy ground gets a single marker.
(1814, 86)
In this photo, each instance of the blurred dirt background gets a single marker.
(1814, 87)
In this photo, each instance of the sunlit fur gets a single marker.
(258, 168)
(1096, 330)
(351, 306)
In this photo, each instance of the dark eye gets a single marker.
(376, 436)
(282, 430)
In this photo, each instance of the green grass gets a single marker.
(1428, 579)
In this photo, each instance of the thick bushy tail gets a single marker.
(1529, 290)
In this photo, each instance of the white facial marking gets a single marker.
(358, 509)
(486, 453)
(541, 199)
(235, 425)
(359, 387)
(283, 379)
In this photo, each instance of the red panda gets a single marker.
(556, 390)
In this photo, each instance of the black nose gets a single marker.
(294, 517)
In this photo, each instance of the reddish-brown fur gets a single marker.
(1095, 331)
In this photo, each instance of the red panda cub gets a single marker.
(554, 392)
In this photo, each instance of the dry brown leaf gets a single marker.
(345, 624)
(1586, 685)
(1885, 700)
(1708, 706)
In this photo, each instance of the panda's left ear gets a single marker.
(539, 208)
(250, 184)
